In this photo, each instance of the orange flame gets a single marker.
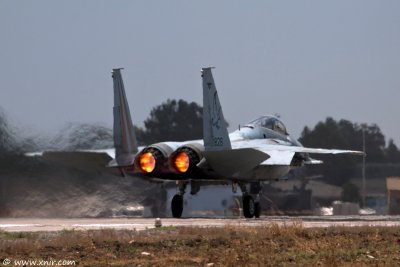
(181, 162)
(147, 162)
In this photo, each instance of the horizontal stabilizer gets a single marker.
(230, 162)
(124, 160)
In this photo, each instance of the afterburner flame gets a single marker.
(147, 162)
(181, 162)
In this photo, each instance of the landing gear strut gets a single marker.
(177, 200)
(257, 209)
(251, 199)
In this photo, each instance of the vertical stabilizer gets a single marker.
(124, 136)
(215, 133)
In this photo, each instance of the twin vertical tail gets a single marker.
(124, 136)
(215, 132)
(218, 153)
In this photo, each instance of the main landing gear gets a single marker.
(177, 200)
(177, 206)
(251, 199)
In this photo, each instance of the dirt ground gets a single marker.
(188, 246)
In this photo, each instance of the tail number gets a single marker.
(218, 141)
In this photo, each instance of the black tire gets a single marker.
(248, 206)
(257, 209)
(177, 206)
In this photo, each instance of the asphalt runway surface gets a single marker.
(36, 224)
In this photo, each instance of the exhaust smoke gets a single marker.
(33, 187)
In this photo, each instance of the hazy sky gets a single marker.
(304, 60)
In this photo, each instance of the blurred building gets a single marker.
(393, 195)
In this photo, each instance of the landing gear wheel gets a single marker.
(257, 209)
(248, 207)
(177, 206)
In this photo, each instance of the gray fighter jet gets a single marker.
(258, 151)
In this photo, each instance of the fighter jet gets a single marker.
(261, 150)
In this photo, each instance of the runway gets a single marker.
(139, 224)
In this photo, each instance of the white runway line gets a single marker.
(139, 224)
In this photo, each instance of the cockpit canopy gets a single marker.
(269, 122)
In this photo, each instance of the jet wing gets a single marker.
(109, 152)
(283, 155)
(86, 160)
(301, 149)
(83, 160)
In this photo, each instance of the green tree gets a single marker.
(173, 120)
(350, 193)
(343, 134)
(392, 152)
(8, 144)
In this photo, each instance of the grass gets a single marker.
(14, 235)
(228, 246)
